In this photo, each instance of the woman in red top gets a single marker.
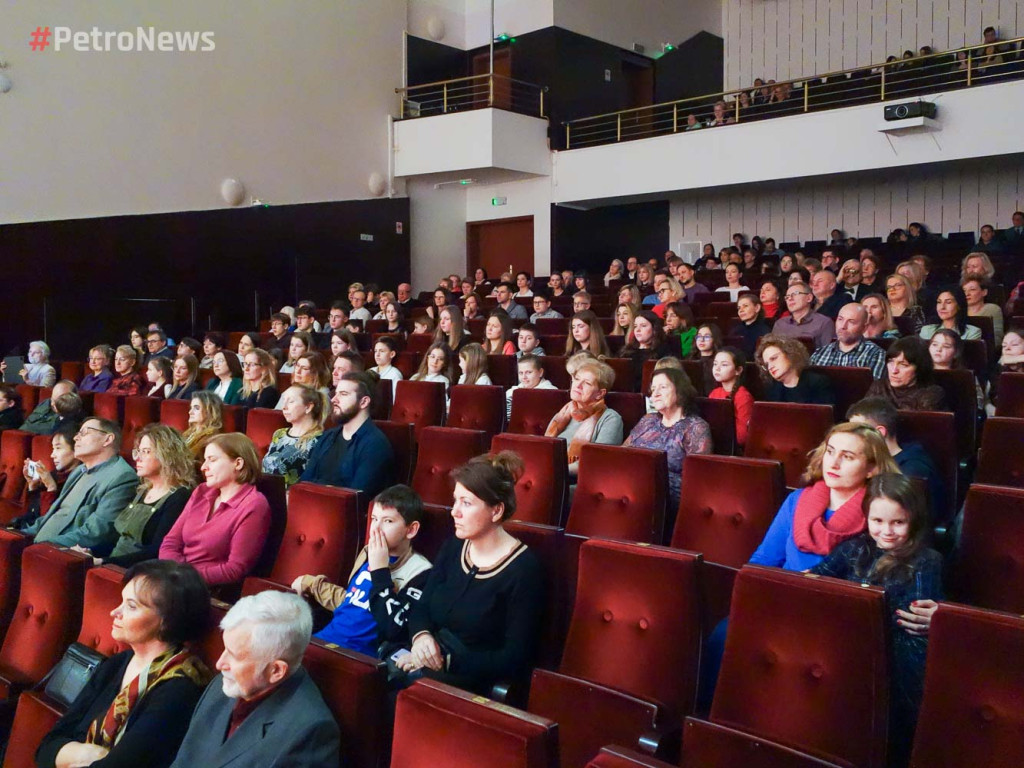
(727, 370)
(498, 335)
(222, 530)
(127, 380)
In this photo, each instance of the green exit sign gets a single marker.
(499, 200)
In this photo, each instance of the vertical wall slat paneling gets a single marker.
(951, 199)
(787, 39)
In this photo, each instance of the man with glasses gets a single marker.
(156, 346)
(542, 307)
(803, 321)
(94, 494)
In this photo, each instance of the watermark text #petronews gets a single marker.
(141, 39)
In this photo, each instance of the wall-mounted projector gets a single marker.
(912, 109)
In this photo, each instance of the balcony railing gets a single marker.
(905, 78)
(475, 92)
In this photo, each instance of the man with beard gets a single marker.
(355, 454)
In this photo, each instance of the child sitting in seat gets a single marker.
(531, 376)
(387, 578)
(727, 370)
(528, 342)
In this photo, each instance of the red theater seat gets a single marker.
(260, 426)
(29, 397)
(622, 602)
(620, 494)
(727, 505)
(448, 449)
(72, 371)
(541, 491)
(12, 546)
(806, 665)
(102, 595)
(138, 412)
(108, 406)
(554, 370)
(477, 407)
(971, 713)
(624, 379)
(848, 384)
(721, 418)
(33, 719)
(548, 544)
(503, 370)
(353, 687)
(631, 406)
(419, 342)
(174, 413)
(787, 432)
(533, 409)
(47, 617)
(15, 447)
(211, 645)
(936, 431)
(990, 567)
(420, 403)
(408, 363)
(234, 418)
(437, 725)
(962, 400)
(1010, 398)
(547, 326)
(272, 486)
(403, 443)
(436, 527)
(999, 460)
(621, 757)
(714, 744)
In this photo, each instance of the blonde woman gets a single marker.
(306, 410)
(624, 316)
(205, 419)
(473, 362)
(903, 300)
(880, 324)
(586, 418)
(259, 380)
(127, 379)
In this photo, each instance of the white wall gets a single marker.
(956, 197)
(424, 15)
(528, 197)
(437, 220)
(512, 17)
(287, 103)
(650, 22)
(794, 148)
(789, 39)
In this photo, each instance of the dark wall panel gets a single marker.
(694, 68)
(589, 240)
(429, 62)
(82, 281)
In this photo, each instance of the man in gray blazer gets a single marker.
(94, 494)
(263, 710)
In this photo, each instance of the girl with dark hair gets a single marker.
(586, 335)
(158, 376)
(706, 343)
(893, 554)
(951, 308)
(498, 334)
(645, 341)
(247, 342)
(771, 300)
(478, 619)
(728, 372)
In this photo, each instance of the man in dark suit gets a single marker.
(264, 709)
(824, 285)
(1013, 236)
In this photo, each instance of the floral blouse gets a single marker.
(287, 455)
(691, 434)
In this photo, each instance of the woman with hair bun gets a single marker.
(479, 616)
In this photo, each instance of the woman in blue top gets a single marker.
(815, 519)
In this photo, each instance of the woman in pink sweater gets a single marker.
(222, 530)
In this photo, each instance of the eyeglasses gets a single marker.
(152, 341)
(138, 453)
(794, 294)
(663, 289)
(252, 365)
(703, 337)
(83, 430)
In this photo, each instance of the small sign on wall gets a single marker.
(398, 227)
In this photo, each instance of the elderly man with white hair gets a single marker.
(264, 709)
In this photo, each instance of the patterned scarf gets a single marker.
(172, 663)
(810, 531)
(588, 415)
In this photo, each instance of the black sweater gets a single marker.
(153, 534)
(494, 613)
(154, 730)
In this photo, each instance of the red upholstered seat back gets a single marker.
(33, 719)
(436, 527)
(1010, 399)
(106, 405)
(533, 409)
(624, 379)
(623, 601)
(419, 342)
(727, 505)
(990, 571)
(403, 443)
(477, 407)
(436, 725)
(503, 370)
(48, 614)
(721, 418)
(138, 412)
(962, 400)
(554, 368)
(620, 494)
(15, 446)
(12, 546)
(542, 489)
(787, 432)
(211, 645)
(848, 384)
(548, 544)
(321, 535)
(706, 744)
(260, 426)
(420, 403)
(102, 595)
(272, 487)
(29, 397)
(72, 371)
(407, 362)
(631, 406)
(620, 757)
(383, 398)
(971, 713)
(444, 449)
(234, 418)
(806, 664)
(174, 413)
(354, 688)
(999, 461)
(936, 431)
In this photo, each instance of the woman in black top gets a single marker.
(136, 708)
(184, 371)
(259, 382)
(646, 341)
(752, 325)
(478, 619)
(783, 360)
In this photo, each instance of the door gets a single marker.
(499, 244)
(502, 71)
(639, 80)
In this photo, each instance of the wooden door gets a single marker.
(502, 86)
(496, 244)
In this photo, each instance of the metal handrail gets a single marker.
(733, 106)
(469, 92)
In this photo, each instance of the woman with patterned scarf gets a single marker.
(586, 418)
(136, 707)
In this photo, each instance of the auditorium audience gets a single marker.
(706, 343)
(224, 526)
(586, 418)
(880, 324)
(451, 328)
(184, 371)
(829, 299)
(586, 334)
(384, 351)
(729, 373)
(157, 346)
(306, 410)
(100, 376)
(527, 341)
(247, 342)
(976, 289)
(803, 320)
(190, 346)
(37, 371)
(770, 299)
(783, 362)
(680, 328)
(908, 383)
(135, 707)
(503, 293)
(675, 427)
(477, 622)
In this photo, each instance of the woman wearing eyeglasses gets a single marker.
(259, 380)
(127, 380)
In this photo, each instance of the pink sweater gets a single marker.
(223, 544)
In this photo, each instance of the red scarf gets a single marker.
(810, 531)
